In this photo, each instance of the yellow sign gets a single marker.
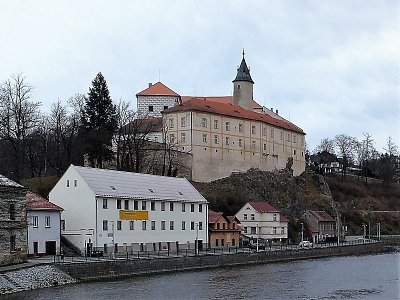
(133, 214)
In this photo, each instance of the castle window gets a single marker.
(288, 137)
(253, 144)
(294, 152)
(253, 129)
(294, 138)
(204, 137)
(238, 86)
(265, 146)
(241, 127)
(264, 131)
(172, 138)
(227, 126)
(150, 107)
(281, 135)
(272, 133)
(183, 122)
(216, 125)
(171, 123)
(216, 140)
(240, 142)
(183, 137)
(204, 122)
(227, 141)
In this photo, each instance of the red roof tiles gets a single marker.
(35, 202)
(263, 207)
(157, 89)
(219, 99)
(199, 104)
(322, 216)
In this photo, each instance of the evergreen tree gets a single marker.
(98, 119)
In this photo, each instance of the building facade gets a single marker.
(223, 231)
(262, 221)
(115, 211)
(44, 226)
(320, 224)
(13, 225)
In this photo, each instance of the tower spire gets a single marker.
(243, 53)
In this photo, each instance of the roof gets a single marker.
(7, 182)
(284, 219)
(157, 89)
(199, 104)
(143, 126)
(263, 207)
(321, 215)
(111, 183)
(35, 202)
(219, 99)
(213, 216)
(243, 72)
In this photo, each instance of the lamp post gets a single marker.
(196, 246)
(257, 232)
(302, 231)
(113, 239)
(364, 230)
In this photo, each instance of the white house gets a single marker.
(44, 220)
(260, 219)
(110, 210)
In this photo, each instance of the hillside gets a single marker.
(292, 195)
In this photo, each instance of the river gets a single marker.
(351, 277)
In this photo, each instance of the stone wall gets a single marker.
(90, 271)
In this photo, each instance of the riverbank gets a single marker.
(64, 273)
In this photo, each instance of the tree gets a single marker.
(326, 145)
(346, 146)
(389, 163)
(19, 117)
(98, 123)
(368, 149)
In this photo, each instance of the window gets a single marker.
(131, 225)
(281, 135)
(183, 225)
(294, 138)
(240, 142)
(172, 138)
(272, 133)
(265, 147)
(233, 242)
(47, 221)
(253, 230)
(150, 107)
(67, 183)
(227, 141)
(162, 225)
(118, 204)
(35, 221)
(143, 205)
(104, 203)
(183, 137)
(216, 139)
(274, 230)
(222, 242)
(245, 229)
(192, 207)
(12, 242)
(294, 152)
(274, 217)
(135, 205)
(253, 144)
(253, 129)
(241, 127)
(191, 225)
(105, 225)
(252, 217)
(283, 230)
(183, 122)
(153, 225)
(264, 131)
(183, 207)
(204, 122)
(171, 123)
(152, 205)
(288, 137)
(216, 242)
(245, 217)
(227, 126)
(171, 225)
(126, 204)
(204, 137)
(75, 183)
(162, 206)
(165, 107)
(216, 125)
(119, 225)
(200, 208)
(218, 226)
(171, 206)
(200, 225)
(12, 211)
(223, 225)
(144, 225)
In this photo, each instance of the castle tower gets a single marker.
(243, 86)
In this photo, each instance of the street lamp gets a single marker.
(257, 232)
(196, 246)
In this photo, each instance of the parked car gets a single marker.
(254, 246)
(305, 244)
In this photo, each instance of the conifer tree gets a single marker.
(98, 119)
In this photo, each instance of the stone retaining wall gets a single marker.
(91, 271)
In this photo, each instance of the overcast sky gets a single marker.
(331, 67)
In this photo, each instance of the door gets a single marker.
(50, 247)
(35, 248)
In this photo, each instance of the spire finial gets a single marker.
(243, 53)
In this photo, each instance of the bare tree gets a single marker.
(326, 145)
(19, 118)
(346, 146)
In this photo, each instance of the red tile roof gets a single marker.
(321, 216)
(213, 216)
(199, 104)
(35, 202)
(263, 207)
(219, 99)
(284, 219)
(157, 89)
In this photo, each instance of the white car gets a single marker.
(305, 244)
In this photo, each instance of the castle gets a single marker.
(225, 134)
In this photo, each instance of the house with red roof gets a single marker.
(320, 225)
(225, 134)
(44, 225)
(262, 221)
(223, 231)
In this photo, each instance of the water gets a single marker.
(355, 277)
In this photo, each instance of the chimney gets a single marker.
(150, 84)
(272, 109)
(277, 112)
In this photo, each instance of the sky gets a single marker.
(330, 67)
